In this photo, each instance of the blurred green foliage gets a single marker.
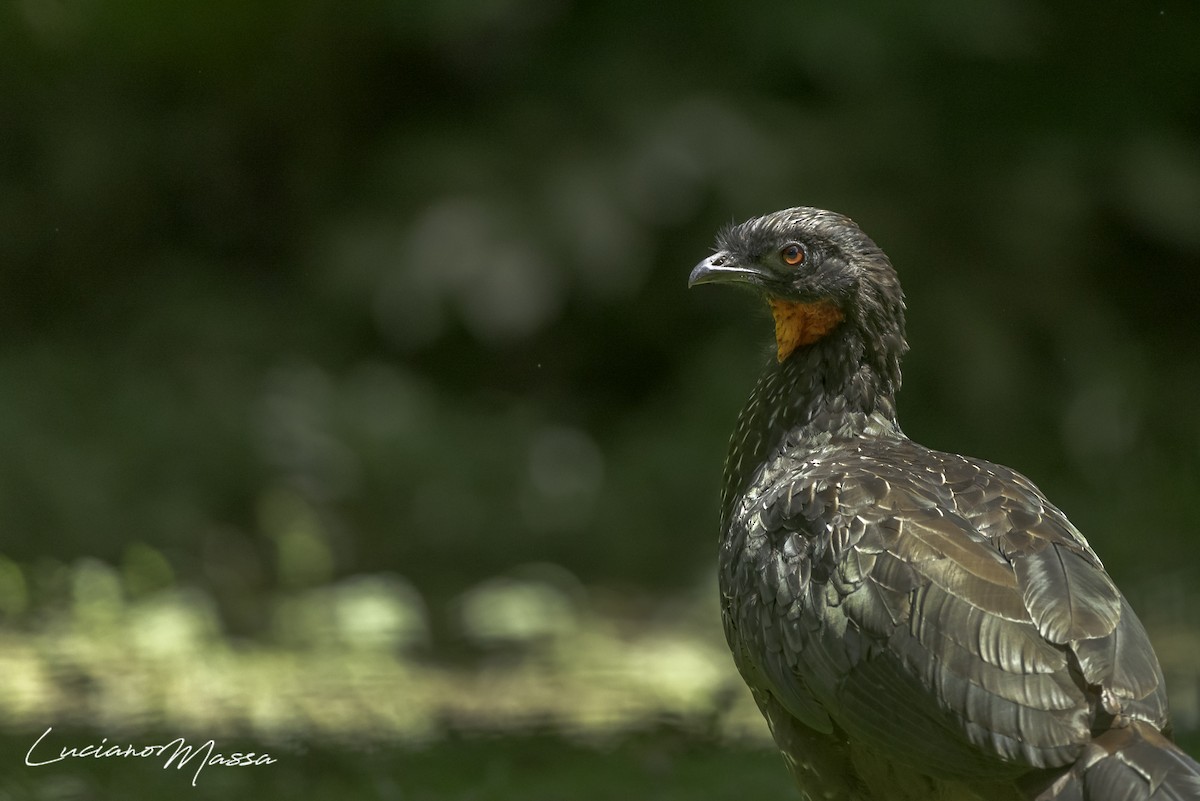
(414, 271)
(291, 293)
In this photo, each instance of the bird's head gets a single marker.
(818, 271)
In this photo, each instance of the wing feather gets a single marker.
(1069, 596)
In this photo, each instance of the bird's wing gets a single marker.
(935, 606)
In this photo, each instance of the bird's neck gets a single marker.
(830, 391)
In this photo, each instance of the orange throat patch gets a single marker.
(798, 324)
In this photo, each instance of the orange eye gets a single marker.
(793, 254)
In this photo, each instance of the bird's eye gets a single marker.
(793, 254)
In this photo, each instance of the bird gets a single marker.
(912, 624)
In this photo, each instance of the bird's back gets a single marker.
(929, 607)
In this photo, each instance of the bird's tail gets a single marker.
(1131, 763)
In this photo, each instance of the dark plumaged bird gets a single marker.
(912, 624)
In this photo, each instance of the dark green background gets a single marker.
(413, 274)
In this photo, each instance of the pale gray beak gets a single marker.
(721, 267)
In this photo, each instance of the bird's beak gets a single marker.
(721, 267)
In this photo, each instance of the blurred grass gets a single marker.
(548, 694)
(354, 659)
